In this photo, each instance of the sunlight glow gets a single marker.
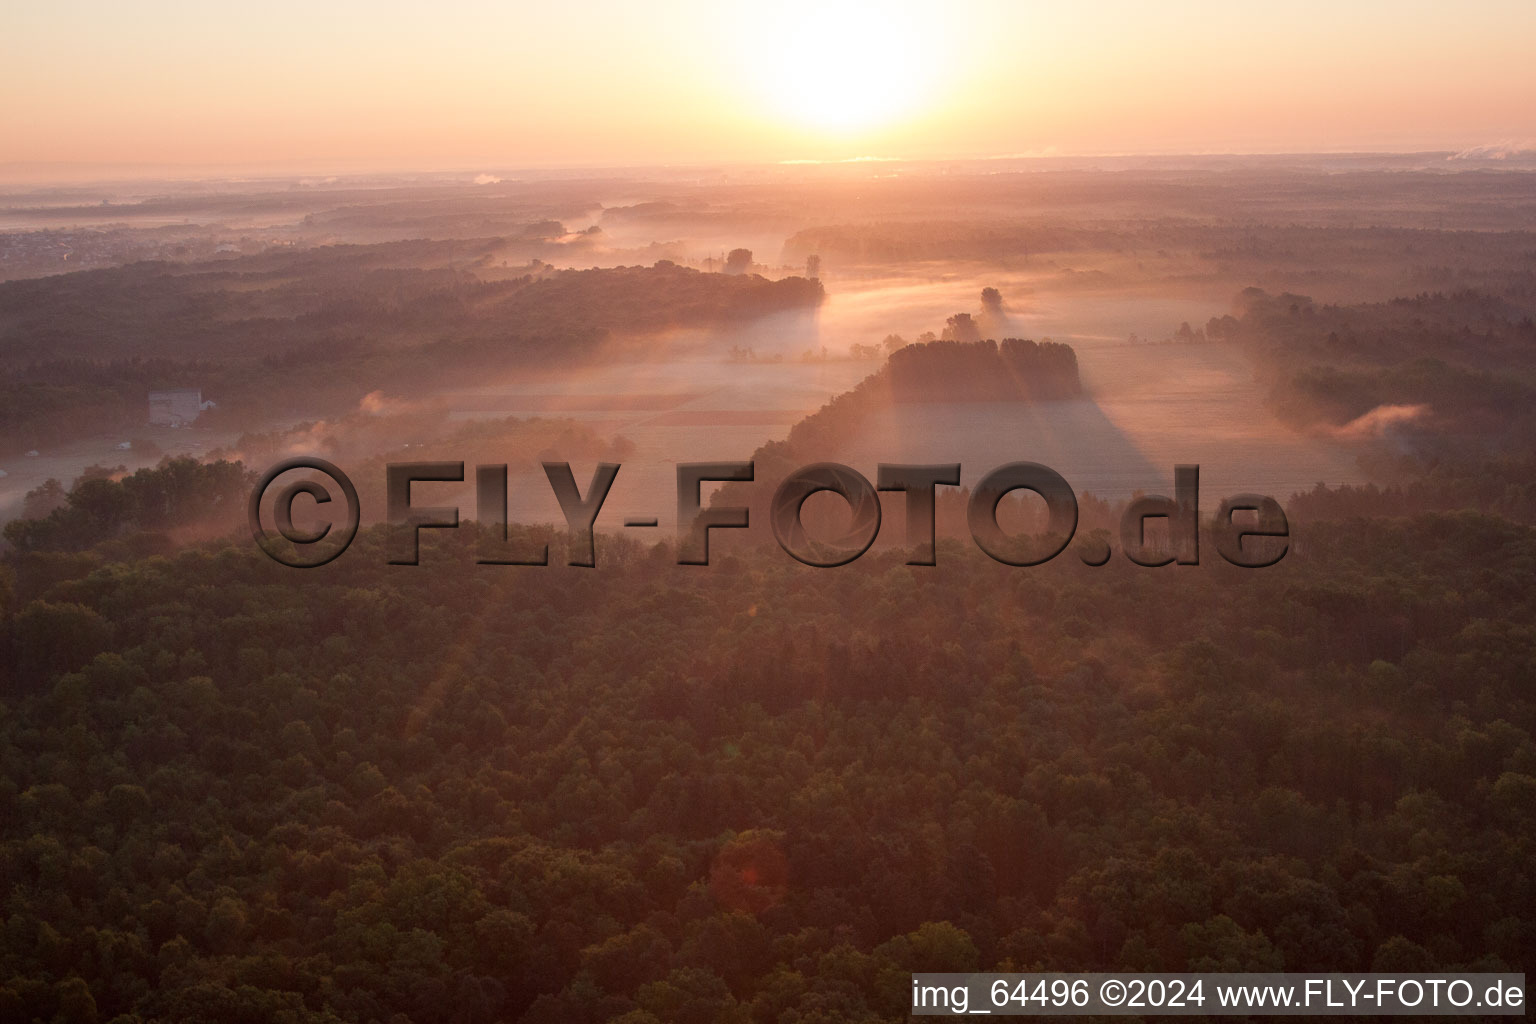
(846, 66)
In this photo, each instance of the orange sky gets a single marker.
(352, 85)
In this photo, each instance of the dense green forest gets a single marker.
(980, 371)
(1455, 372)
(313, 331)
(756, 791)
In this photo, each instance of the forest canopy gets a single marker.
(710, 795)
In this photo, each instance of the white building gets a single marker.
(176, 407)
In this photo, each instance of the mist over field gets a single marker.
(609, 302)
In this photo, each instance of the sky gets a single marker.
(381, 85)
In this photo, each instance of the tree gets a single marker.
(738, 261)
(43, 499)
(76, 1004)
(1400, 956)
(226, 925)
(961, 327)
(53, 638)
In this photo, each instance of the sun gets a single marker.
(844, 66)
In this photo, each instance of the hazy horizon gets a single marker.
(350, 89)
(30, 177)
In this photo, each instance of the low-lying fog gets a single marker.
(1150, 405)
